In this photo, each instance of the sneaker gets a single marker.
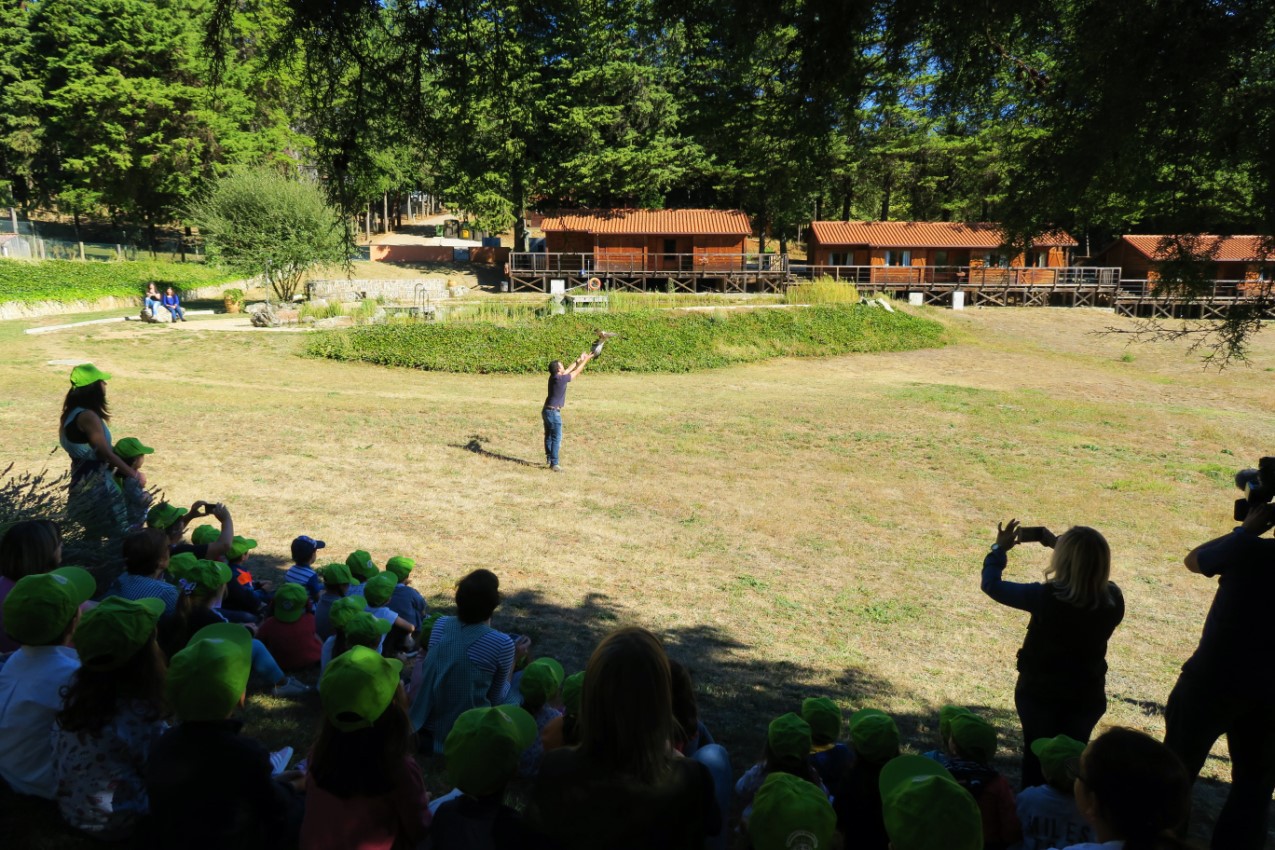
(556, 468)
(279, 760)
(290, 687)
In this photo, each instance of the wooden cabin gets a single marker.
(651, 240)
(930, 243)
(1237, 258)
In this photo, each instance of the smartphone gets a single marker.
(1031, 533)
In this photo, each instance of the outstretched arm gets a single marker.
(577, 367)
(91, 425)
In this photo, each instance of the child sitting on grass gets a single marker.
(210, 787)
(145, 562)
(40, 613)
(289, 631)
(789, 813)
(111, 718)
(336, 585)
(377, 590)
(406, 601)
(874, 736)
(924, 808)
(540, 686)
(787, 751)
(361, 567)
(482, 750)
(564, 730)
(363, 788)
(305, 550)
(354, 628)
(1048, 813)
(136, 500)
(829, 757)
(971, 747)
(242, 592)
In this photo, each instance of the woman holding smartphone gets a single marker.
(1062, 666)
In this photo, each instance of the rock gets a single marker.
(263, 316)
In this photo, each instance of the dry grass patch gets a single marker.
(790, 528)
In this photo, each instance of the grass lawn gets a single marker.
(791, 528)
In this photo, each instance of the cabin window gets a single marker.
(1038, 260)
(839, 258)
(898, 258)
(996, 260)
(940, 258)
(670, 246)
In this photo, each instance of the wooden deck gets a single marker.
(642, 272)
(982, 286)
(1143, 299)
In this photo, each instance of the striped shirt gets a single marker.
(306, 577)
(492, 653)
(129, 586)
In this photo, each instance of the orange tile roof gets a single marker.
(651, 222)
(925, 234)
(1221, 249)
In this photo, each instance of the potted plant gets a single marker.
(233, 299)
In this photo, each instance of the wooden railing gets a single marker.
(1214, 290)
(640, 262)
(965, 276)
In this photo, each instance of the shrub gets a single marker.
(72, 280)
(822, 290)
(234, 296)
(649, 341)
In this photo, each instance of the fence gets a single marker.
(39, 248)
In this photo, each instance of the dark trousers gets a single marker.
(1046, 715)
(1196, 716)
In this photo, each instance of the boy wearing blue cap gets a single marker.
(305, 550)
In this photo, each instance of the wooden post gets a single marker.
(13, 216)
(385, 213)
(367, 222)
(81, 252)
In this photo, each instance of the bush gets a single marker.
(822, 290)
(649, 341)
(71, 280)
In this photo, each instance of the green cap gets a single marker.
(240, 546)
(541, 681)
(366, 629)
(345, 608)
(207, 576)
(875, 735)
(181, 562)
(290, 601)
(207, 678)
(974, 737)
(87, 373)
(39, 607)
(791, 813)
(484, 745)
(925, 809)
(360, 564)
(113, 632)
(163, 516)
(335, 574)
(357, 686)
(379, 588)
(400, 566)
(789, 736)
(824, 718)
(946, 713)
(205, 534)
(1059, 758)
(572, 691)
(131, 447)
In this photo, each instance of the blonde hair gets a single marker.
(1081, 568)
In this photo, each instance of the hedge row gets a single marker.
(70, 280)
(657, 341)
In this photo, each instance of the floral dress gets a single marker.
(101, 789)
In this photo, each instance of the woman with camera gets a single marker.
(1062, 666)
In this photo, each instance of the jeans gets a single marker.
(553, 434)
(715, 758)
(1046, 716)
(1195, 717)
(265, 670)
(176, 313)
(152, 305)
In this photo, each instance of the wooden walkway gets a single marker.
(644, 272)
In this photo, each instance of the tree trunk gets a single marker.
(887, 187)
(520, 215)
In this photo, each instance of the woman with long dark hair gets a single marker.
(27, 548)
(95, 501)
(1133, 791)
(1062, 666)
(625, 786)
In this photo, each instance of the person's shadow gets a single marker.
(475, 445)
